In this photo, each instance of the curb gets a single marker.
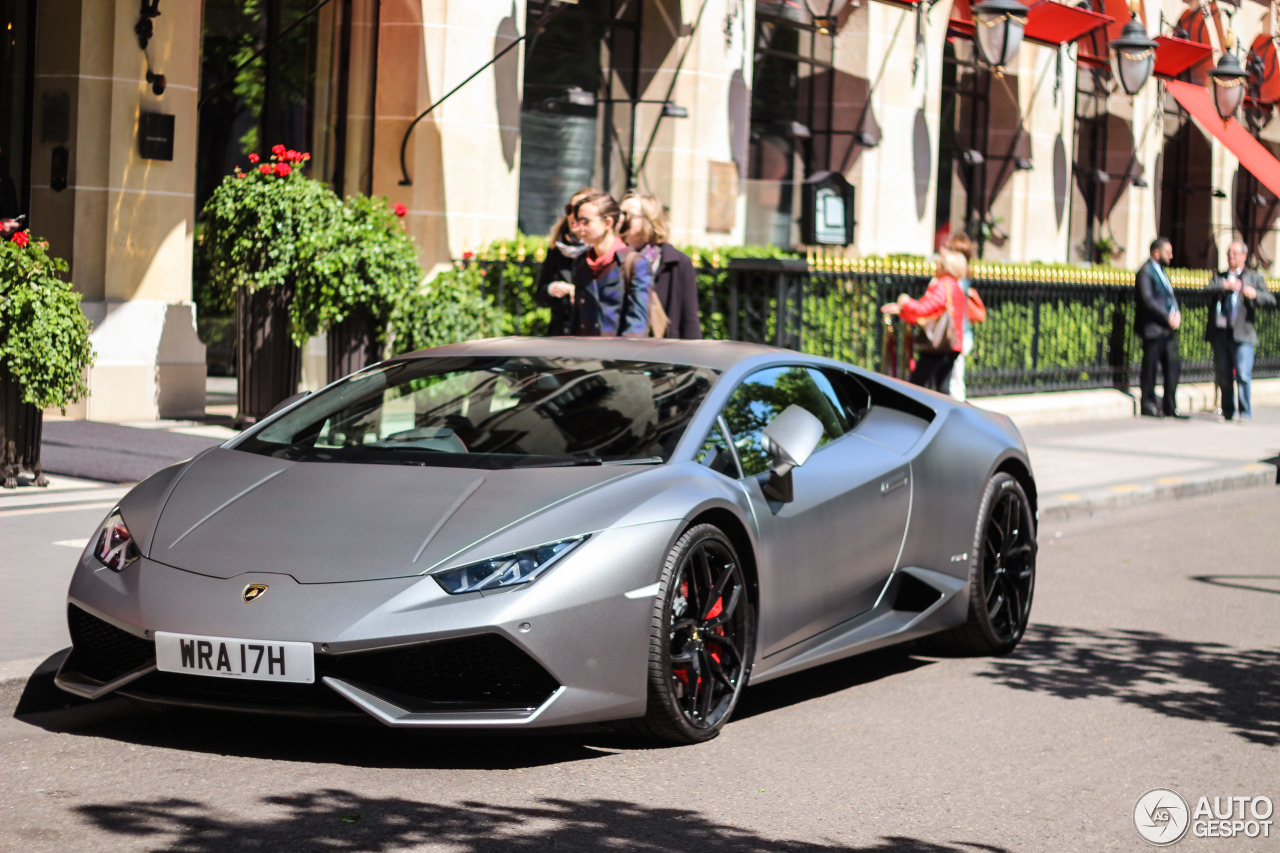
(1066, 506)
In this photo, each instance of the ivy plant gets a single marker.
(452, 307)
(44, 335)
(273, 226)
(367, 260)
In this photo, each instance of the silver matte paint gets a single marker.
(347, 549)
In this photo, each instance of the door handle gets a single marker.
(893, 485)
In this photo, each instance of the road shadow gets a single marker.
(1239, 688)
(369, 744)
(825, 680)
(341, 820)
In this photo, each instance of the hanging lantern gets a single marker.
(1133, 57)
(998, 31)
(1228, 85)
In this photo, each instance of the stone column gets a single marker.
(123, 222)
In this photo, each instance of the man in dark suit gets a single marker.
(1156, 321)
(1231, 329)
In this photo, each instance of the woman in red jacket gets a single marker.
(933, 369)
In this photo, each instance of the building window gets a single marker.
(295, 93)
(17, 27)
(793, 132)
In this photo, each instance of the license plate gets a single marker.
(223, 657)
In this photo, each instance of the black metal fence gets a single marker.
(1050, 329)
(1054, 329)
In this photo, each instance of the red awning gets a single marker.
(1055, 23)
(1048, 21)
(1269, 86)
(1197, 101)
(1176, 56)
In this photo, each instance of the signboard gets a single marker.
(155, 136)
(722, 197)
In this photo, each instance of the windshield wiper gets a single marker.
(596, 460)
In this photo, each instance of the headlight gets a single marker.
(115, 548)
(508, 570)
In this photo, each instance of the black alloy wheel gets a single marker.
(702, 642)
(1002, 574)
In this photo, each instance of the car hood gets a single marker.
(233, 512)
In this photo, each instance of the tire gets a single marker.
(699, 660)
(1002, 572)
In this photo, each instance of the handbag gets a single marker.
(937, 334)
(658, 319)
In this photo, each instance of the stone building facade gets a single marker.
(722, 108)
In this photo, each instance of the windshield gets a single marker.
(492, 413)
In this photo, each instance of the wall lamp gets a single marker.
(973, 157)
(866, 139)
(1133, 56)
(1098, 176)
(1217, 193)
(999, 28)
(1140, 182)
(1023, 164)
(145, 31)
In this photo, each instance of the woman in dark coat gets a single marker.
(563, 248)
(674, 280)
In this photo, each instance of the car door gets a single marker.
(827, 553)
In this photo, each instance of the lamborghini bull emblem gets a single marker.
(254, 591)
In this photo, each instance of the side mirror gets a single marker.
(790, 439)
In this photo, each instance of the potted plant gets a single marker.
(365, 268)
(44, 350)
(262, 238)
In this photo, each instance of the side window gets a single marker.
(852, 397)
(763, 395)
(717, 455)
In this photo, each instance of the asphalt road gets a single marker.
(1152, 662)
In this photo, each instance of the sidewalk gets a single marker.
(1088, 451)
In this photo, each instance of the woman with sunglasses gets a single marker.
(610, 289)
(674, 281)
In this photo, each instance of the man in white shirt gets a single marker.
(1232, 332)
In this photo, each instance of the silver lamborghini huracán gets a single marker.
(521, 533)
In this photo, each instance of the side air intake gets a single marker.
(914, 595)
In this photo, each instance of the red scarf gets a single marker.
(598, 265)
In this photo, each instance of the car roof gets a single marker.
(718, 355)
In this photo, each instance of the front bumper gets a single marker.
(568, 649)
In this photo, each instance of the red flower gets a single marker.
(293, 156)
(241, 175)
(253, 158)
(278, 150)
(283, 169)
(306, 155)
(466, 256)
(21, 238)
(265, 168)
(400, 209)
